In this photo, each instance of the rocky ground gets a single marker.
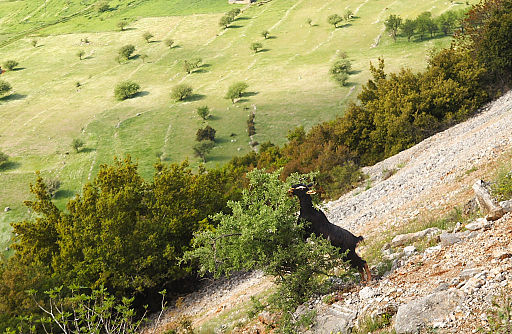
(445, 288)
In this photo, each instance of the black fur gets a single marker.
(320, 225)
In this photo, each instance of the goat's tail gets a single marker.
(359, 239)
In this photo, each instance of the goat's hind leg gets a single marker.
(357, 262)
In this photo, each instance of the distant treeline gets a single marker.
(128, 234)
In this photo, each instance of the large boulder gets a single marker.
(403, 239)
(426, 311)
(488, 205)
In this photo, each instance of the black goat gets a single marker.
(320, 225)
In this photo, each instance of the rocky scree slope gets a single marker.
(448, 287)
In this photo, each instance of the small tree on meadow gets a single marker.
(5, 88)
(147, 36)
(236, 91)
(202, 149)
(181, 92)
(143, 57)
(125, 90)
(52, 185)
(169, 43)
(80, 54)
(34, 42)
(203, 112)
(190, 66)
(4, 158)
(225, 21)
(309, 21)
(121, 25)
(77, 144)
(207, 133)
(408, 28)
(334, 19)
(126, 51)
(348, 15)
(10, 65)
(265, 34)
(393, 23)
(340, 70)
(256, 46)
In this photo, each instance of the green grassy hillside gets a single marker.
(288, 80)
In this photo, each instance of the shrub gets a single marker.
(236, 91)
(80, 54)
(191, 65)
(502, 186)
(334, 19)
(256, 46)
(340, 70)
(309, 21)
(5, 88)
(202, 148)
(169, 43)
(52, 185)
(181, 92)
(203, 112)
(77, 144)
(265, 34)
(125, 90)
(208, 133)
(225, 21)
(147, 36)
(4, 158)
(103, 7)
(126, 51)
(34, 42)
(122, 24)
(10, 65)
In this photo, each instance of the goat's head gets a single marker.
(301, 189)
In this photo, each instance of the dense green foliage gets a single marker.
(256, 46)
(121, 232)
(340, 70)
(334, 19)
(5, 88)
(262, 233)
(4, 158)
(126, 51)
(206, 133)
(181, 92)
(202, 148)
(125, 90)
(236, 91)
(203, 112)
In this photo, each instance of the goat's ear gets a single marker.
(311, 192)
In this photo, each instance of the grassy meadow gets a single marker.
(288, 80)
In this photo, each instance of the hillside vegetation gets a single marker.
(58, 96)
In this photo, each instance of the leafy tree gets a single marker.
(77, 145)
(181, 92)
(233, 13)
(446, 22)
(298, 134)
(126, 89)
(256, 46)
(80, 54)
(208, 133)
(5, 88)
(309, 21)
(408, 28)
(143, 57)
(147, 36)
(190, 66)
(202, 148)
(340, 70)
(393, 23)
(424, 23)
(262, 233)
(126, 51)
(169, 43)
(265, 34)
(4, 158)
(334, 19)
(34, 42)
(348, 15)
(236, 91)
(52, 185)
(225, 21)
(122, 24)
(10, 65)
(203, 112)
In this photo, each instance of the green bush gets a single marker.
(203, 112)
(207, 133)
(125, 90)
(4, 158)
(256, 46)
(334, 19)
(10, 65)
(181, 92)
(147, 36)
(236, 91)
(126, 51)
(5, 88)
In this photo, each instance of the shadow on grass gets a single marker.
(234, 26)
(214, 118)
(354, 72)
(195, 97)
(87, 150)
(271, 37)
(18, 69)
(242, 18)
(151, 42)
(141, 94)
(13, 97)
(63, 193)
(249, 94)
(9, 165)
(88, 57)
(263, 50)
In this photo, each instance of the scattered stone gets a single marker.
(448, 239)
(335, 319)
(403, 239)
(506, 205)
(409, 250)
(488, 205)
(474, 226)
(470, 207)
(367, 293)
(426, 311)
(468, 273)
(7, 209)
(501, 254)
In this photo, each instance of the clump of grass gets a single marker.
(369, 324)
(502, 186)
(500, 315)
